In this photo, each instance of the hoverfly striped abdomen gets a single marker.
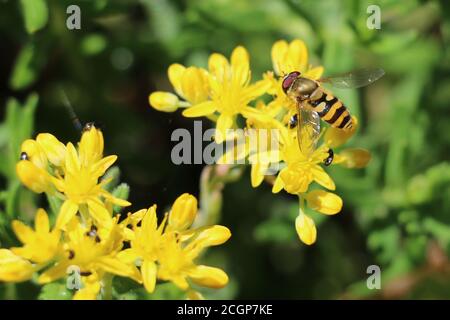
(331, 109)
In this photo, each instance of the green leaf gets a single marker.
(55, 291)
(20, 123)
(124, 285)
(275, 231)
(93, 44)
(13, 198)
(385, 242)
(24, 72)
(122, 192)
(113, 176)
(35, 14)
(55, 204)
(167, 291)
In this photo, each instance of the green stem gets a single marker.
(301, 202)
(107, 286)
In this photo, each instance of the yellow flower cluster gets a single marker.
(224, 91)
(89, 238)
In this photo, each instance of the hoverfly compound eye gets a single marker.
(289, 79)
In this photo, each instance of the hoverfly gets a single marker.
(315, 103)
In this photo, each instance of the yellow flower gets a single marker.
(55, 151)
(288, 57)
(33, 177)
(33, 152)
(319, 200)
(93, 250)
(90, 290)
(176, 264)
(306, 229)
(191, 84)
(41, 245)
(221, 93)
(81, 186)
(183, 213)
(145, 244)
(324, 202)
(49, 165)
(168, 251)
(230, 91)
(14, 268)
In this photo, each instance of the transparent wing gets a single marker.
(354, 79)
(308, 130)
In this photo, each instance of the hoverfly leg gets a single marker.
(293, 121)
(330, 157)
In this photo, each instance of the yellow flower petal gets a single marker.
(164, 101)
(116, 201)
(209, 277)
(306, 229)
(314, 73)
(354, 158)
(278, 185)
(41, 222)
(148, 270)
(117, 267)
(213, 236)
(23, 232)
(336, 137)
(99, 212)
(33, 177)
(66, 213)
(218, 66)
(91, 146)
(14, 268)
(89, 292)
(195, 85)
(324, 202)
(72, 161)
(257, 173)
(200, 110)
(100, 167)
(224, 123)
(35, 153)
(183, 212)
(194, 295)
(240, 64)
(297, 56)
(129, 255)
(54, 273)
(256, 90)
(175, 73)
(150, 221)
(322, 178)
(279, 50)
(53, 148)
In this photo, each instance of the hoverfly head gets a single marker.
(289, 80)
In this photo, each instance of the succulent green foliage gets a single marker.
(395, 210)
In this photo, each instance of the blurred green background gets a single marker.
(396, 211)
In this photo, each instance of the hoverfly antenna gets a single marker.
(73, 117)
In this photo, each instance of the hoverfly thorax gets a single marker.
(297, 87)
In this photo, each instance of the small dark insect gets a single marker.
(24, 156)
(93, 234)
(293, 121)
(88, 126)
(85, 273)
(71, 254)
(330, 157)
